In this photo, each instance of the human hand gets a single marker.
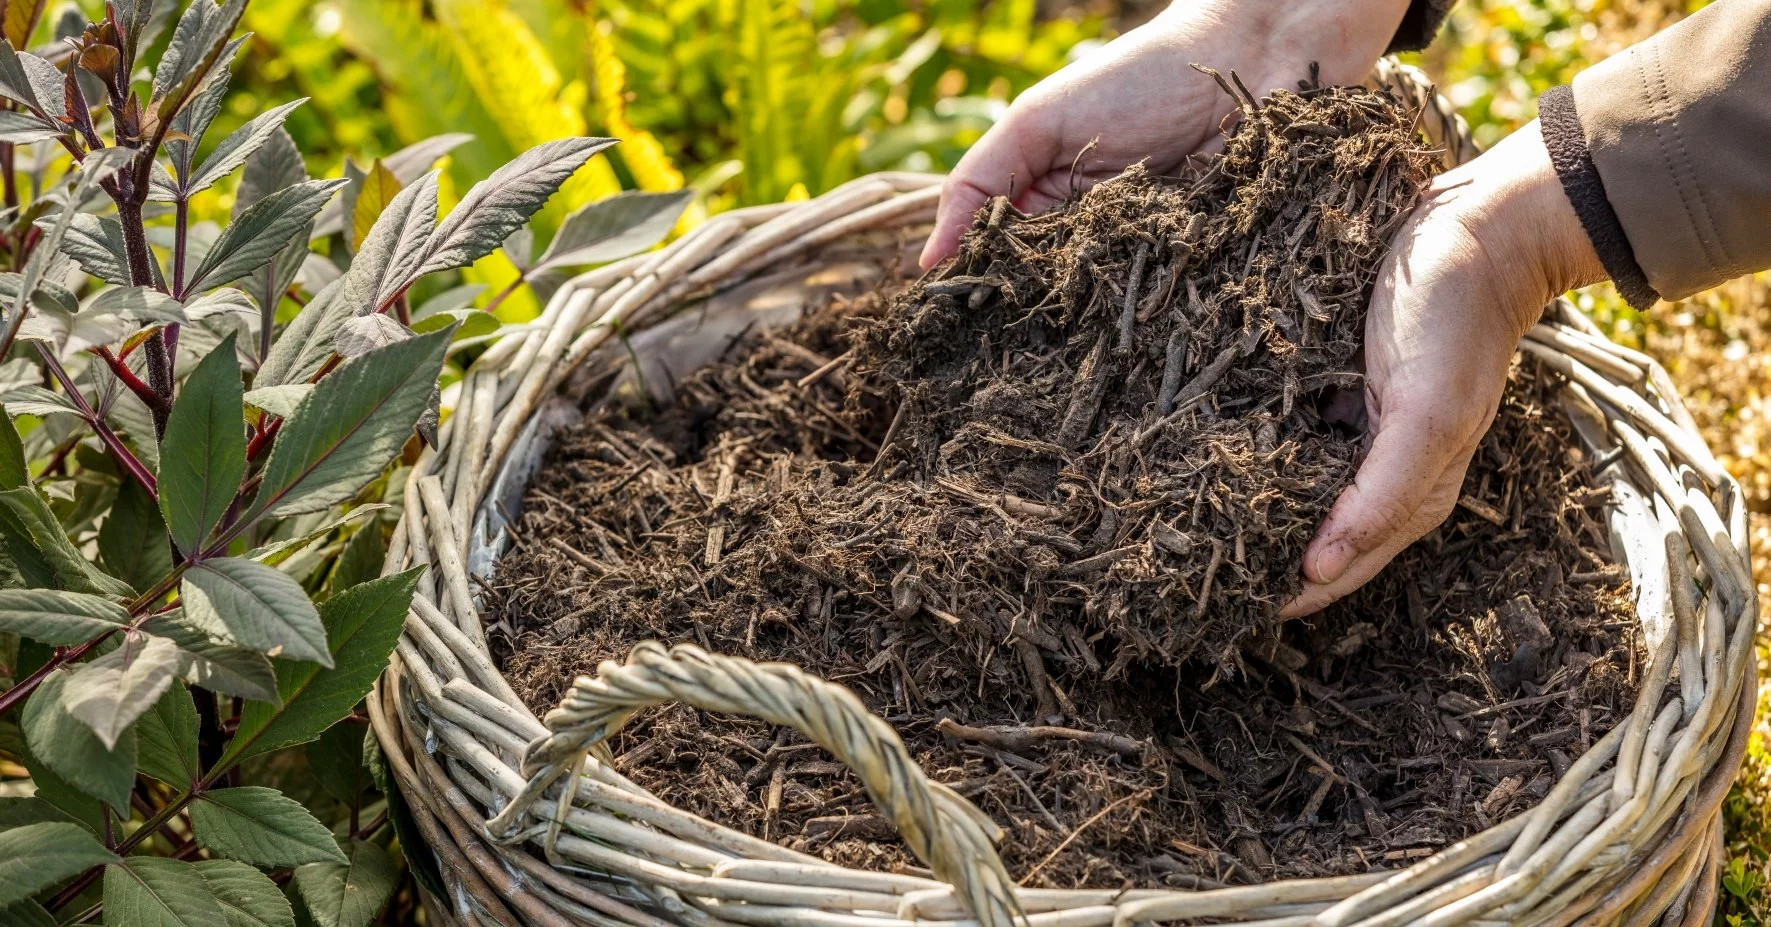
(1140, 99)
(1489, 245)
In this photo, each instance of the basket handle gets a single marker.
(945, 831)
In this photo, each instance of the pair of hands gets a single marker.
(1491, 243)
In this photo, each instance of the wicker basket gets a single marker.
(531, 825)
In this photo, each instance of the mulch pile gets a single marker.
(1039, 510)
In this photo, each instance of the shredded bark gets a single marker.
(1042, 518)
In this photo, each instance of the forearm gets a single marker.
(1676, 132)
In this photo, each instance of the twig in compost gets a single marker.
(1016, 739)
(1065, 844)
(1128, 311)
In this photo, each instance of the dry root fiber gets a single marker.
(1033, 507)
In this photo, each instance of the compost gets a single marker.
(1040, 510)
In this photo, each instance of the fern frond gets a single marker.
(640, 150)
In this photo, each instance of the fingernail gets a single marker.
(1333, 561)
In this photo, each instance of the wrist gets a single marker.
(1512, 201)
(1276, 41)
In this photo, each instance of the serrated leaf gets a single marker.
(138, 304)
(336, 759)
(248, 897)
(280, 401)
(261, 826)
(14, 470)
(67, 746)
(27, 511)
(191, 124)
(393, 249)
(166, 738)
(15, 84)
(203, 454)
(239, 145)
(361, 559)
(58, 618)
(219, 301)
(111, 692)
(505, 201)
(263, 230)
(18, 812)
(362, 623)
(280, 551)
(132, 538)
(379, 188)
(26, 914)
(615, 227)
(96, 244)
(306, 342)
(364, 333)
(145, 891)
(36, 856)
(217, 665)
(256, 606)
(275, 165)
(407, 165)
(61, 794)
(197, 43)
(23, 128)
(351, 426)
(348, 894)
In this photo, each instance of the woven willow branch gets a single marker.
(531, 826)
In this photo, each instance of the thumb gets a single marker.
(1382, 511)
(998, 162)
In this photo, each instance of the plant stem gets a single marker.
(141, 273)
(121, 371)
(7, 175)
(115, 444)
(504, 293)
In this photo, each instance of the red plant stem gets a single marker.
(61, 454)
(7, 176)
(504, 293)
(122, 372)
(261, 441)
(105, 434)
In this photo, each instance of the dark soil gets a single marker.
(1039, 511)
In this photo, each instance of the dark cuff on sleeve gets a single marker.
(1419, 24)
(1567, 143)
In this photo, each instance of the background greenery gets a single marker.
(752, 101)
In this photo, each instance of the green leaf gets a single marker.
(263, 230)
(26, 914)
(363, 624)
(96, 244)
(15, 82)
(348, 894)
(306, 342)
(132, 538)
(280, 401)
(197, 43)
(68, 747)
(248, 897)
(145, 891)
(32, 399)
(215, 664)
(615, 227)
(261, 826)
(203, 454)
(18, 812)
(109, 693)
(361, 559)
(24, 128)
(407, 165)
(33, 518)
(394, 248)
(167, 735)
(233, 151)
(139, 304)
(379, 188)
(14, 471)
(336, 759)
(60, 618)
(36, 856)
(256, 606)
(505, 201)
(280, 551)
(275, 165)
(364, 333)
(349, 428)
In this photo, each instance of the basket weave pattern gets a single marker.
(532, 825)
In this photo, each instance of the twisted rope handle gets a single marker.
(1439, 120)
(944, 830)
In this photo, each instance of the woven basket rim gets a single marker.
(1631, 833)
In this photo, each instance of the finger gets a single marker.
(1004, 158)
(1410, 454)
(1368, 564)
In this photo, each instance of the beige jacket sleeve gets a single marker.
(1679, 129)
